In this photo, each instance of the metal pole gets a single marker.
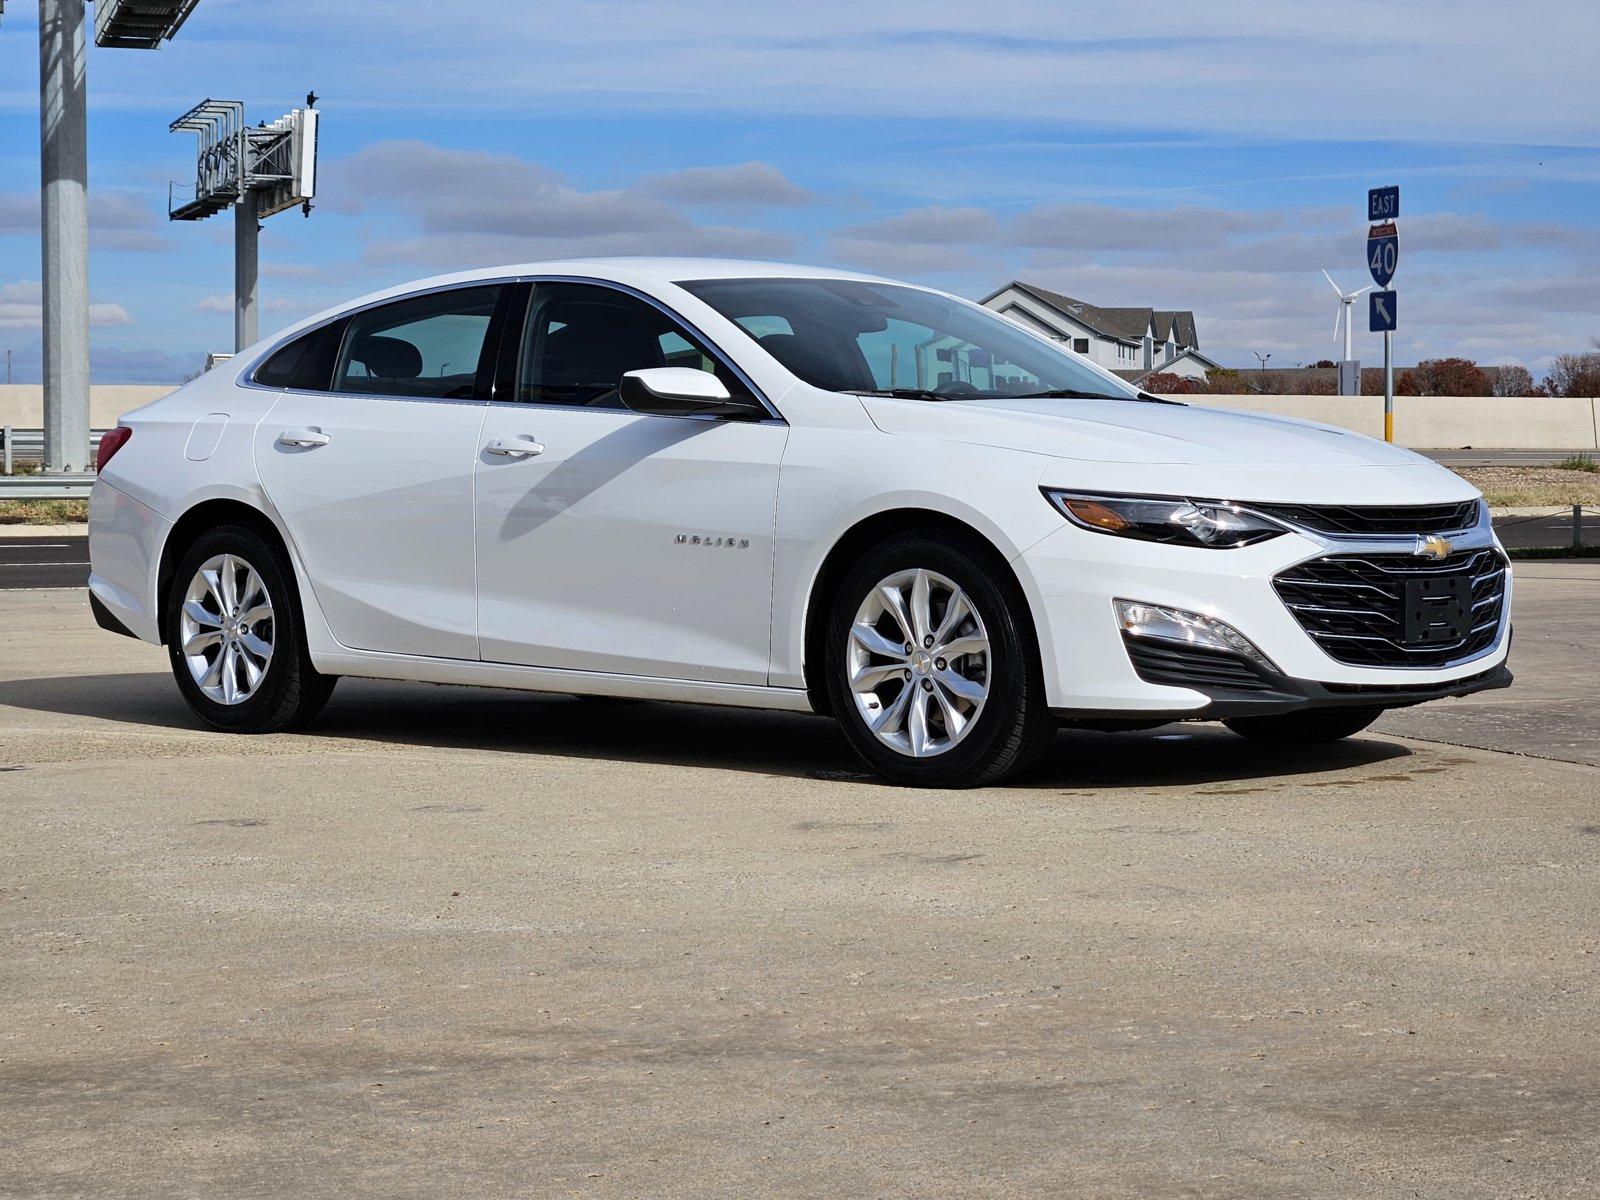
(1388, 386)
(1577, 526)
(64, 236)
(7, 432)
(246, 270)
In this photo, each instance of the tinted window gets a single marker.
(581, 339)
(429, 345)
(307, 362)
(852, 336)
(278, 371)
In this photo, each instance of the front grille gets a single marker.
(1352, 605)
(1357, 520)
(1192, 667)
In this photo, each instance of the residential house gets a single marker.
(1134, 342)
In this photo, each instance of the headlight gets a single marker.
(1172, 519)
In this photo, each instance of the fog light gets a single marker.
(1162, 624)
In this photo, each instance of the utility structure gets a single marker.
(1349, 368)
(64, 202)
(257, 170)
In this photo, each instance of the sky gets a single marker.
(1213, 158)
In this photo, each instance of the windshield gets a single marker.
(850, 336)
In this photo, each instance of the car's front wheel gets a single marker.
(235, 636)
(932, 665)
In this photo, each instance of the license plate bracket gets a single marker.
(1437, 609)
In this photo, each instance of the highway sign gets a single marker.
(1383, 204)
(1383, 252)
(1382, 311)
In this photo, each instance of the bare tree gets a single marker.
(1512, 380)
(1574, 375)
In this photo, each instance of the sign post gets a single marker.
(1383, 256)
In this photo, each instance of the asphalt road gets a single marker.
(458, 942)
(1554, 530)
(1503, 458)
(44, 562)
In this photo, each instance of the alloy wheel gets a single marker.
(918, 663)
(226, 629)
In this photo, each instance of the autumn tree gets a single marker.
(1451, 377)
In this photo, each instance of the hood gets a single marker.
(1122, 431)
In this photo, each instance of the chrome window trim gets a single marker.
(246, 378)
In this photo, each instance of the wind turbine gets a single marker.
(1347, 301)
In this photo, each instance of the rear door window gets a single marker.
(433, 345)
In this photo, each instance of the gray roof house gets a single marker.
(1131, 341)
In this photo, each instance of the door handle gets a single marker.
(307, 438)
(521, 446)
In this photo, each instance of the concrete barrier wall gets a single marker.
(1425, 422)
(1443, 422)
(22, 404)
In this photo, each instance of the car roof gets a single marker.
(636, 271)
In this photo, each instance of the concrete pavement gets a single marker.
(470, 943)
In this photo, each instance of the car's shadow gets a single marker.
(771, 743)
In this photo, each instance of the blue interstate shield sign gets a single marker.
(1382, 311)
(1383, 252)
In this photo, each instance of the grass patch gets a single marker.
(1578, 462)
(43, 512)
(1534, 487)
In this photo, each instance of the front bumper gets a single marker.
(1073, 575)
(1235, 686)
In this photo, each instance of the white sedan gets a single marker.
(779, 487)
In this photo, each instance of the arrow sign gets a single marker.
(1383, 311)
(1383, 252)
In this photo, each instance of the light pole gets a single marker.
(64, 201)
(1262, 357)
(64, 233)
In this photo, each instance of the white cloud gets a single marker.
(476, 208)
(749, 184)
(118, 219)
(22, 307)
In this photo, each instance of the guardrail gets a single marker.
(46, 487)
(27, 445)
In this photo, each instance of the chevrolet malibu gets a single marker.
(777, 487)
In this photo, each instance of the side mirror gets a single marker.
(681, 391)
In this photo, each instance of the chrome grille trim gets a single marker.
(1332, 598)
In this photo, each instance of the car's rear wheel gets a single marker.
(236, 638)
(1305, 728)
(932, 665)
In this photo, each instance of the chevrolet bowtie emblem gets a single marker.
(1435, 547)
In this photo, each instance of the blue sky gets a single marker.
(1128, 155)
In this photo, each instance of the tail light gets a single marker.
(110, 442)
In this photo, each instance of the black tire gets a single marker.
(1305, 728)
(291, 691)
(1013, 728)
